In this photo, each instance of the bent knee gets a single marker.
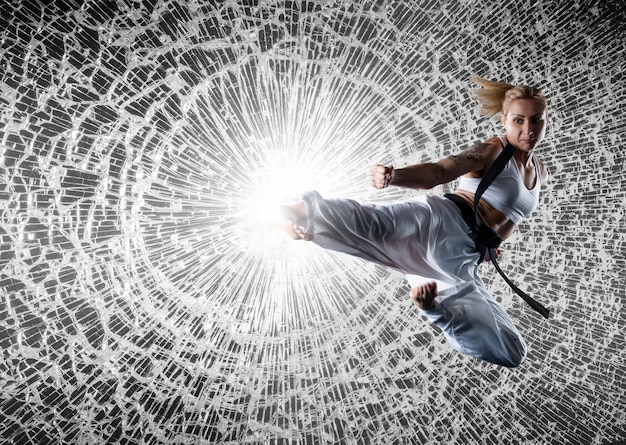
(509, 351)
(516, 361)
(515, 356)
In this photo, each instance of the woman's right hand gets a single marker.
(381, 176)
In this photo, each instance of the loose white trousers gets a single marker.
(427, 239)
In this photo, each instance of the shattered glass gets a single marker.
(142, 300)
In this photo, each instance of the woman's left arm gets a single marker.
(544, 174)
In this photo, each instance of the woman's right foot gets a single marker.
(295, 219)
(296, 232)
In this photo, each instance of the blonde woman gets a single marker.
(432, 239)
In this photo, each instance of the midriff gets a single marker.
(489, 215)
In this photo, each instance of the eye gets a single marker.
(537, 120)
(517, 120)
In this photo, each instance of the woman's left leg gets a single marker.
(475, 325)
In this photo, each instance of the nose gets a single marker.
(528, 129)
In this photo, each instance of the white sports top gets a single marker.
(507, 193)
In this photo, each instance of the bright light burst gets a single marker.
(144, 300)
(254, 139)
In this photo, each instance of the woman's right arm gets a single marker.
(476, 158)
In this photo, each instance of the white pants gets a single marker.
(427, 239)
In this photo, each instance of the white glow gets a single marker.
(277, 183)
(142, 301)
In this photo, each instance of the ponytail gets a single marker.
(495, 97)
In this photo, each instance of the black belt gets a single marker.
(485, 238)
(487, 241)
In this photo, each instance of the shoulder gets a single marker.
(483, 153)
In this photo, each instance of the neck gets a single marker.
(523, 157)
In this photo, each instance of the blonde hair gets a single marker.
(496, 97)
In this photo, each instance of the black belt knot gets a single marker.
(484, 237)
(486, 240)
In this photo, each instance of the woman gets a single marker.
(427, 237)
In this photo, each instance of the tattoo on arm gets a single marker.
(473, 153)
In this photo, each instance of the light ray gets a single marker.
(142, 301)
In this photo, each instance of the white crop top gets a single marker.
(507, 193)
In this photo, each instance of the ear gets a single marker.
(503, 119)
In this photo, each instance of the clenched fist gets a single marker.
(381, 176)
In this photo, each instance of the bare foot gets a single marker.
(296, 232)
(295, 219)
(424, 296)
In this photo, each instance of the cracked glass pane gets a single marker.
(145, 300)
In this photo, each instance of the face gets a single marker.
(525, 123)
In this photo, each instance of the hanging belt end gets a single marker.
(544, 311)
